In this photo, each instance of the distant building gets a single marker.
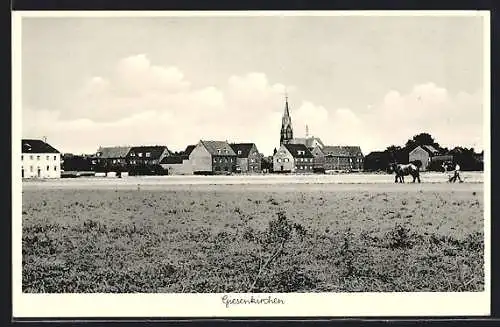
(145, 160)
(293, 158)
(319, 159)
(309, 142)
(424, 154)
(286, 134)
(111, 159)
(39, 160)
(77, 163)
(177, 165)
(376, 161)
(248, 158)
(213, 157)
(343, 158)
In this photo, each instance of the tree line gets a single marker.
(468, 158)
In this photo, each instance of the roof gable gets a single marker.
(218, 148)
(155, 151)
(430, 149)
(242, 150)
(36, 146)
(298, 150)
(189, 149)
(113, 152)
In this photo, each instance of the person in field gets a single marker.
(456, 174)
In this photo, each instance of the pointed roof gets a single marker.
(189, 149)
(298, 150)
(243, 147)
(36, 146)
(213, 146)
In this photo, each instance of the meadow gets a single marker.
(253, 238)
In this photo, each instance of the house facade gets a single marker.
(248, 158)
(319, 159)
(295, 158)
(213, 157)
(343, 158)
(39, 160)
(424, 154)
(111, 159)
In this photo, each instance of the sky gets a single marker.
(354, 80)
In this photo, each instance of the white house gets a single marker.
(39, 160)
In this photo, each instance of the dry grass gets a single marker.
(231, 240)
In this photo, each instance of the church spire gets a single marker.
(286, 124)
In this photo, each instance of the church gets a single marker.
(326, 158)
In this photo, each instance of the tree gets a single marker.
(421, 139)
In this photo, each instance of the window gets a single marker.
(132, 154)
(252, 160)
(55, 168)
(37, 157)
(55, 157)
(148, 154)
(278, 160)
(226, 152)
(215, 159)
(31, 168)
(48, 168)
(239, 151)
(140, 154)
(22, 157)
(47, 158)
(287, 160)
(31, 157)
(218, 151)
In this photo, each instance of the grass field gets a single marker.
(253, 238)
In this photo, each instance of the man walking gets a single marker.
(456, 174)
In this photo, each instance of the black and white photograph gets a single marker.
(243, 162)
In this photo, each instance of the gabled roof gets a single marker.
(155, 150)
(299, 150)
(213, 146)
(189, 149)
(177, 159)
(342, 151)
(430, 149)
(109, 152)
(243, 147)
(307, 141)
(36, 146)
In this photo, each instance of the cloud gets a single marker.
(144, 103)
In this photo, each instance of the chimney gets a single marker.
(44, 139)
(307, 131)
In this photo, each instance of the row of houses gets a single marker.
(206, 157)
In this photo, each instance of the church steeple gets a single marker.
(286, 125)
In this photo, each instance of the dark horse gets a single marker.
(403, 170)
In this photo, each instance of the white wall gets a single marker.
(32, 162)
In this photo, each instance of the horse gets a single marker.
(403, 170)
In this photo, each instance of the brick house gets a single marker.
(293, 158)
(39, 160)
(248, 158)
(146, 159)
(343, 158)
(213, 157)
(319, 159)
(111, 159)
